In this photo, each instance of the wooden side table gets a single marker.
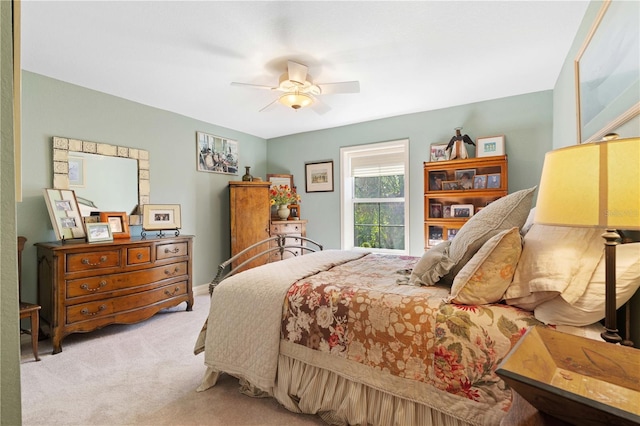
(522, 413)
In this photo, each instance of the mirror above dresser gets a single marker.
(104, 177)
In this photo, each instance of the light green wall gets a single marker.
(55, 108)
(10, 403)
(526, 122)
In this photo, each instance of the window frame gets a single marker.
(347, 200)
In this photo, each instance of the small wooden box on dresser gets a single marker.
(438, 196)
(86, 286)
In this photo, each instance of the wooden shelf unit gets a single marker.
(437, 226)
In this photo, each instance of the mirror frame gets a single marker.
(63, 146)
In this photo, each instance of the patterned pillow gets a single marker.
(505, 213)
(434, 263)
(487, 275)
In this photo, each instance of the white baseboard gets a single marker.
(199, 290)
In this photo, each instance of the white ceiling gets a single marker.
(408, 56)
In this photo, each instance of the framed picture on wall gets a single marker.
(319, 176)
(216, 154)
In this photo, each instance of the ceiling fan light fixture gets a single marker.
(296, 100)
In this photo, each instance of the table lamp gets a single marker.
(594, 185)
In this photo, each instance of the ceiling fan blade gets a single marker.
(341, 87)
(319, 107)
(297, 72)
(269, 107)
(255, 86)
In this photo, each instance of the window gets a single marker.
(375, 197)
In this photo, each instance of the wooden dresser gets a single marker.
(287, 228)
(86, 286)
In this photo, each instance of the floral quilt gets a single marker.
(360, 311)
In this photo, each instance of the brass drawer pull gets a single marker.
(139, 256)
(175, 250)
(168, 293)
(85, 311)
(101, 284)
(175, 271)
(85, 261)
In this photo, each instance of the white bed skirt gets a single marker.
(303, 388)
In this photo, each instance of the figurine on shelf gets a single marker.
(456, 148)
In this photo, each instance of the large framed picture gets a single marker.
(319, 176)
(607, 71)
(117, 222)
(64, 213)
(490, 146)
(161, 217)
(216, 154)
(99, 232)
(439, 152)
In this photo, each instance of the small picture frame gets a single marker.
(439, 152)
(490, 146)
(446, 212)
(294, 212)
(64, 213)
(118, 223)
(493, 181)
(319, 176)
(451, 185)
(435, 235)
(435, 210)
(465, 177)
(161, 217)
(436, 179)
(480, 182)
(76, 172)
(451, 233)
(99, 232)
(462, 211)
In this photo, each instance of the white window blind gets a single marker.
(381, 162)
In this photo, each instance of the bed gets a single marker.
(366, 338)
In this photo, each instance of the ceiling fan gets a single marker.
(299, 90)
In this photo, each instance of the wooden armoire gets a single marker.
(250, 213)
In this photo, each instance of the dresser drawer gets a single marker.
(167, 251)
(288, 228)
(103, 284)
(91, 261)
(115, 305)
(138, 255)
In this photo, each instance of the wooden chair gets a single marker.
(28, 310)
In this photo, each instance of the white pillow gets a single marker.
(590, 307)
(556, 260)
(487, 275)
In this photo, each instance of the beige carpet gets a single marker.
(141, 374)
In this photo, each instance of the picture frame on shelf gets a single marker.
(76, 172)
(216, 154)
(99, 232)
(446, 212)
(118, 222)
(480, 182)
(439, 152)
(157, 217)
(490, 146)
(451, 233)
(606, 79)
(465, 177)
(493, 181)
(294, 212)
(64, 213)
(435, 210)
(319, 176)
(451, 185)
(280, 179)
(435, 235)
(462, 211)
(436, 179)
